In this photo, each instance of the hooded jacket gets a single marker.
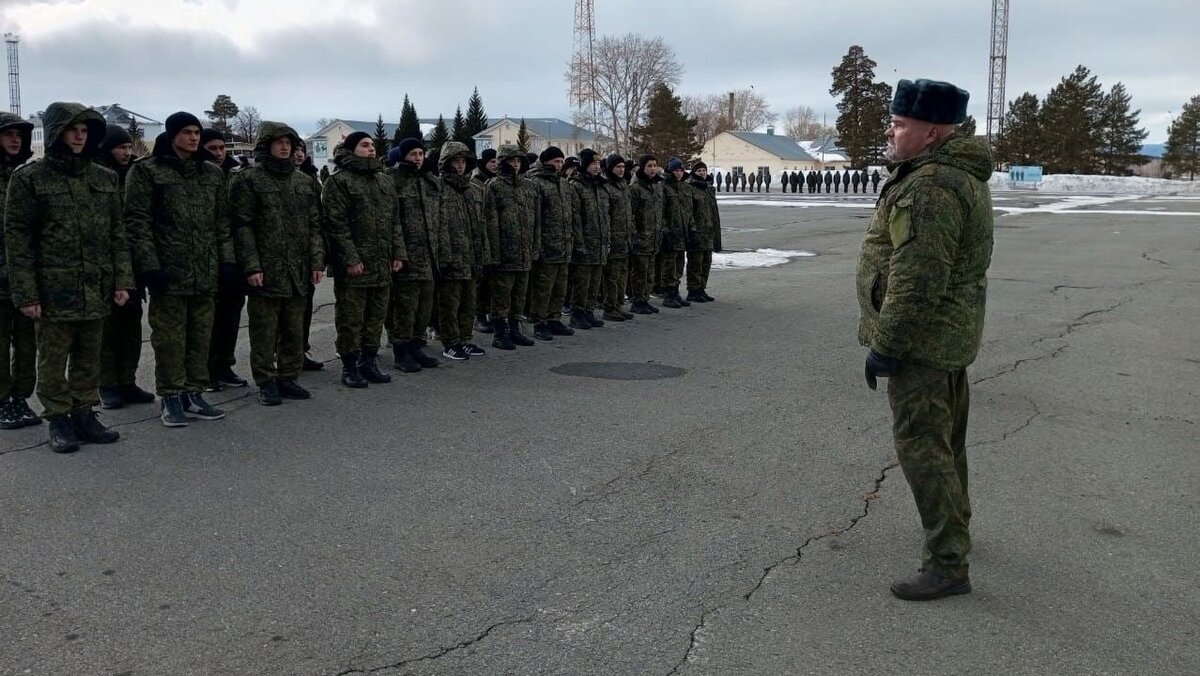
(275, 213)
(620, 212)
(591, 218)
(510, 208)
(64, 237)
(177, 219)
(466, 250)
(9, 164)
(922, 273)
(418, 196)
(556, 220)
(706, 222)
(361, 221)
(646, 203)
(677, 213)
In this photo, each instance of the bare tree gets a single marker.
(627, 69)
(322, 123)
(713, 114)
(802, 122)
(246, 124)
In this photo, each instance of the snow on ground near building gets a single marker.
(760, 258)
(1125, 185)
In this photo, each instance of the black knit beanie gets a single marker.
(351, 142)
(550, 153)
(177, 121)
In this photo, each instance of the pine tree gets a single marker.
(223, 110)
(137, 134)
(1070, 120)
(523, 137)
(382, 142)
(1020, 139)
(1120, 136)
(459, 131)
(863, 110)
(966, 127)
(667, 132)
(410, 123)
(477, 119)
(1183, 141)
(439, 136)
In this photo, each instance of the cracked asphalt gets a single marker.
(745, 517)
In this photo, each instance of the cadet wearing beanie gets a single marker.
(231, 291)
(677, 220)
(646, 203)
(18, 341)
(591, 242)
(702, 235)
(485, 171)
(556, 223)
(620, 221)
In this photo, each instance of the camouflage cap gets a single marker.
(508, 151)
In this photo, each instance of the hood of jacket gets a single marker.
(967, 154)
(62, 114)
(268, 133)
(25, 128)
(451, 150)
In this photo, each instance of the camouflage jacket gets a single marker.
(646, 203)
(702, 234)
(556, 220)
(176, 221)
(677, 214)
(922, 273)
(63, 234)
(467, 249)
(361, 222)
(510, 207)
(620, 217)
(275, 213)
(591, 216)
(418, 195)
(8, 164)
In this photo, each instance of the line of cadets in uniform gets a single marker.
(430, 241)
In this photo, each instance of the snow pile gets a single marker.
(760, 258)
(1124, 185)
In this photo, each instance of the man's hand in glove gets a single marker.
(880, 366)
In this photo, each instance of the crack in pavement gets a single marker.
(1037, 413)
(440, 652)
(687, 655)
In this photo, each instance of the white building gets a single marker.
(756, 153)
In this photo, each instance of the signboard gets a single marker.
(1025, 177)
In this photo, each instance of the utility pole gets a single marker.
(583, 60)
(997, 72)
(14, 74)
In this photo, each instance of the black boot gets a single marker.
(595, 321)
(541, 331)
(695, 296)
(500, 339)
(704, 292)
(927, 586)
(515, 335)
(268, 394)
(10, 417)
(672, 301)
(678, 298)
(368, 367)
(110, 398)
(641, 307)
(90, 430)
(62, 435)
(579, 320)
(350, 373)
(132, 394)
(28, 417)
(481, 323)
(311, 364)
(172, 411)
(423, 359)
(557, 328)
(402, 350)
(289, 388)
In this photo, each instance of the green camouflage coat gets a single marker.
(466, 250)
(646, 203)
(361, 220)
(922, 273)
(63, 233)
(620, 216)
(7, 166)
(418, 195)
(177, 221)
(275, 212)
(556, 221)
(677, 213)
(510, 210)
(591, 218)
(702, 233)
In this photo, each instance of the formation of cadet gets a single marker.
(922, 289)
(834, 181)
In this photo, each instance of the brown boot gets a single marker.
(927, 586)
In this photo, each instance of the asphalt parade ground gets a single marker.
(709, 490)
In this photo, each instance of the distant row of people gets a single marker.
(833, 181)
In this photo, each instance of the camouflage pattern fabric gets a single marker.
(18, 353)
(359, 315)
(418, 196)
(547, 290)
(641, 277)
(121, 344)
(668, 274)
(362, 221)
(616, 278)
(557, 221)
(508, 294)
(7, 166)
(620, 217)
(461, 218)
(510, 212)
(68, 373)
(276, 336)
(410, 309)
(677, 214)
(455, 311)
(590, 209)
(702, 235)
(180, 330)
(646, 206)
(585, 285)
(699, 264)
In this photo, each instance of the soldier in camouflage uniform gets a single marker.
(178, 228)
(677, 219)
(620, 223)
(510, 208)
(18, 344)
(465, 253)
(590, 250)
(418, 195)
(702, 235)
(231, 292)
(922, 288)
(645, 237)
(366, 247)
(304, 165)
(557, 225)
(275, 213)
(68, 262)
(485, 170)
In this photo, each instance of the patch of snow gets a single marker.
(760, 258)
(1069, 203)
(1123, 185)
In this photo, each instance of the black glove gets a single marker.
(229, 277)
(154, 280)
(880, 366)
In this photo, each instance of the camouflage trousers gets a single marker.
(547, 291)
(699, 264)
(641, 277)
(616, 278)
(308, 315)
(508, 294)
(456, 311)
(483, 293)
(585, 286)
(929, 413)
(180, 331)
(670, 269)
(410, 310)
(227, 321)
(359, 315)
(121, 344)
(68, 369)
(18, 353)
(276, 336)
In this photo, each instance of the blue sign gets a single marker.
(1025, 174)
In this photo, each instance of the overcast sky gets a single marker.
(300, 60)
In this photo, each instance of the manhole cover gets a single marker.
(615, 370)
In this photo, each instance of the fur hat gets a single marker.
(930, 101)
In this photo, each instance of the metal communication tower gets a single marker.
(583, 62)
(998, 69)
(14, 74)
